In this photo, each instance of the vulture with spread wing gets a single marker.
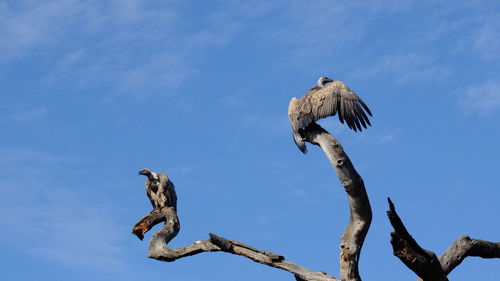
(160, 189)
(323, 101)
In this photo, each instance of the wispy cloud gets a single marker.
(30, 161)
(475, 31)
(405, 67)
(50, 218)
(28, 115)
(386, 138)
(486, 40)
(129, 47)
(65, 230)
(237, 99)
(319, 32)
(482, 98)
(266, 123)
(118, 46)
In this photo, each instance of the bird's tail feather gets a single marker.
(299, 142)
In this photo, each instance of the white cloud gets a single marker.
(476, 31)
(234, 100)
(65, 230)
(483, 98)
(321, 30)
(133, 48)
(123, 46)
(486, 39)
(405, 67)
(266, 123)
(28, 114)
(53, 219)
(387, 138)
(28, 25)
(30, 161)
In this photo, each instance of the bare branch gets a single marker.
(158, 246)
(425, 263)
(421, 261)
(361, 213)
(147, 222)
(268, 258)
(466, 247)
(159, 250)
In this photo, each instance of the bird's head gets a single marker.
(323, 80)
(145, 172)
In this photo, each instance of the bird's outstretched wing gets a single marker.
(335, 98)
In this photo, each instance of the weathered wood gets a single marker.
(268, 258)
(421, 261)
(147, 222)
(158, 246)
(466, 247)
(159, 250)
(360, 209)
(424, 262)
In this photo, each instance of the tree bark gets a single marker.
(421, 261)
(360, 210)
(466, 247)
(352, 239)
(159, 250)
(425, 263)
(148, 221)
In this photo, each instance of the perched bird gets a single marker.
(326, 100)
(160, 189)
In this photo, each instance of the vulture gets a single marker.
(160, 189)
(323, 101)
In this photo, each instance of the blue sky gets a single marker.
(93, 91)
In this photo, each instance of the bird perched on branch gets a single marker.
(323, 101)
(160, 189)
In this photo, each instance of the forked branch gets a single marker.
(425, 263)
(421, 261)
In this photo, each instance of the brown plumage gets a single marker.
(160, 189)
(323, 101)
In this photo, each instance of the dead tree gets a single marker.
(424, 263)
